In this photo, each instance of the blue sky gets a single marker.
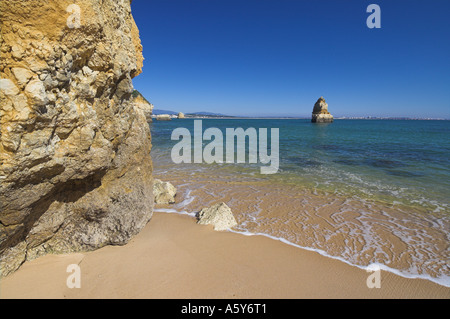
(277, 57)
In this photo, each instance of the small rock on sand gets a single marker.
(164, 192)
(219, 215)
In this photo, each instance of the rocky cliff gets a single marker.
(75, 171)
(320, 112)
(141, 103)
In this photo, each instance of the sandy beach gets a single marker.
(203, 150)
(173, 257)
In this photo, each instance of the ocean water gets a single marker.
(362, 191)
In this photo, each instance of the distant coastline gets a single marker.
(391, 118)
(212, 117)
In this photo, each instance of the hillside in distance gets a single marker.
(194, 114)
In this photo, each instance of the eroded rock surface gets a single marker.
(75, 171)
(141, 103)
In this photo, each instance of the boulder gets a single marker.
(164, 192)
(181, 115)
(219, 215)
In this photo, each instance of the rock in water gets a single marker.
(320, 112)
(76, 172)
(181, 115)
(163, 117)
(219, 215)
(164, 192)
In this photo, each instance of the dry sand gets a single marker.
(173, 257)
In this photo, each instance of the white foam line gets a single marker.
(173, 211)
(187, 200)
(442, 280)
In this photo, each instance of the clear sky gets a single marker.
(277, 57)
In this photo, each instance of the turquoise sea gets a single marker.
(400, 165)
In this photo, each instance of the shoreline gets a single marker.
(304, 222)
(397, 272)
(368, 268)
(173, 257)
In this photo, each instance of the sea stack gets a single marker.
(320, 112)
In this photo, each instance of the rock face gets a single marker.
(142, 104)
(164, 192)
(75, 170)
(320, 112)
(181, 115)
(219, 215)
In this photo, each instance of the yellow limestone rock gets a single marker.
(164, 192)
(320, 112)
(219, 215)
(76, 172)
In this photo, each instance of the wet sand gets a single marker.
(173, 257)
(361, 231)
